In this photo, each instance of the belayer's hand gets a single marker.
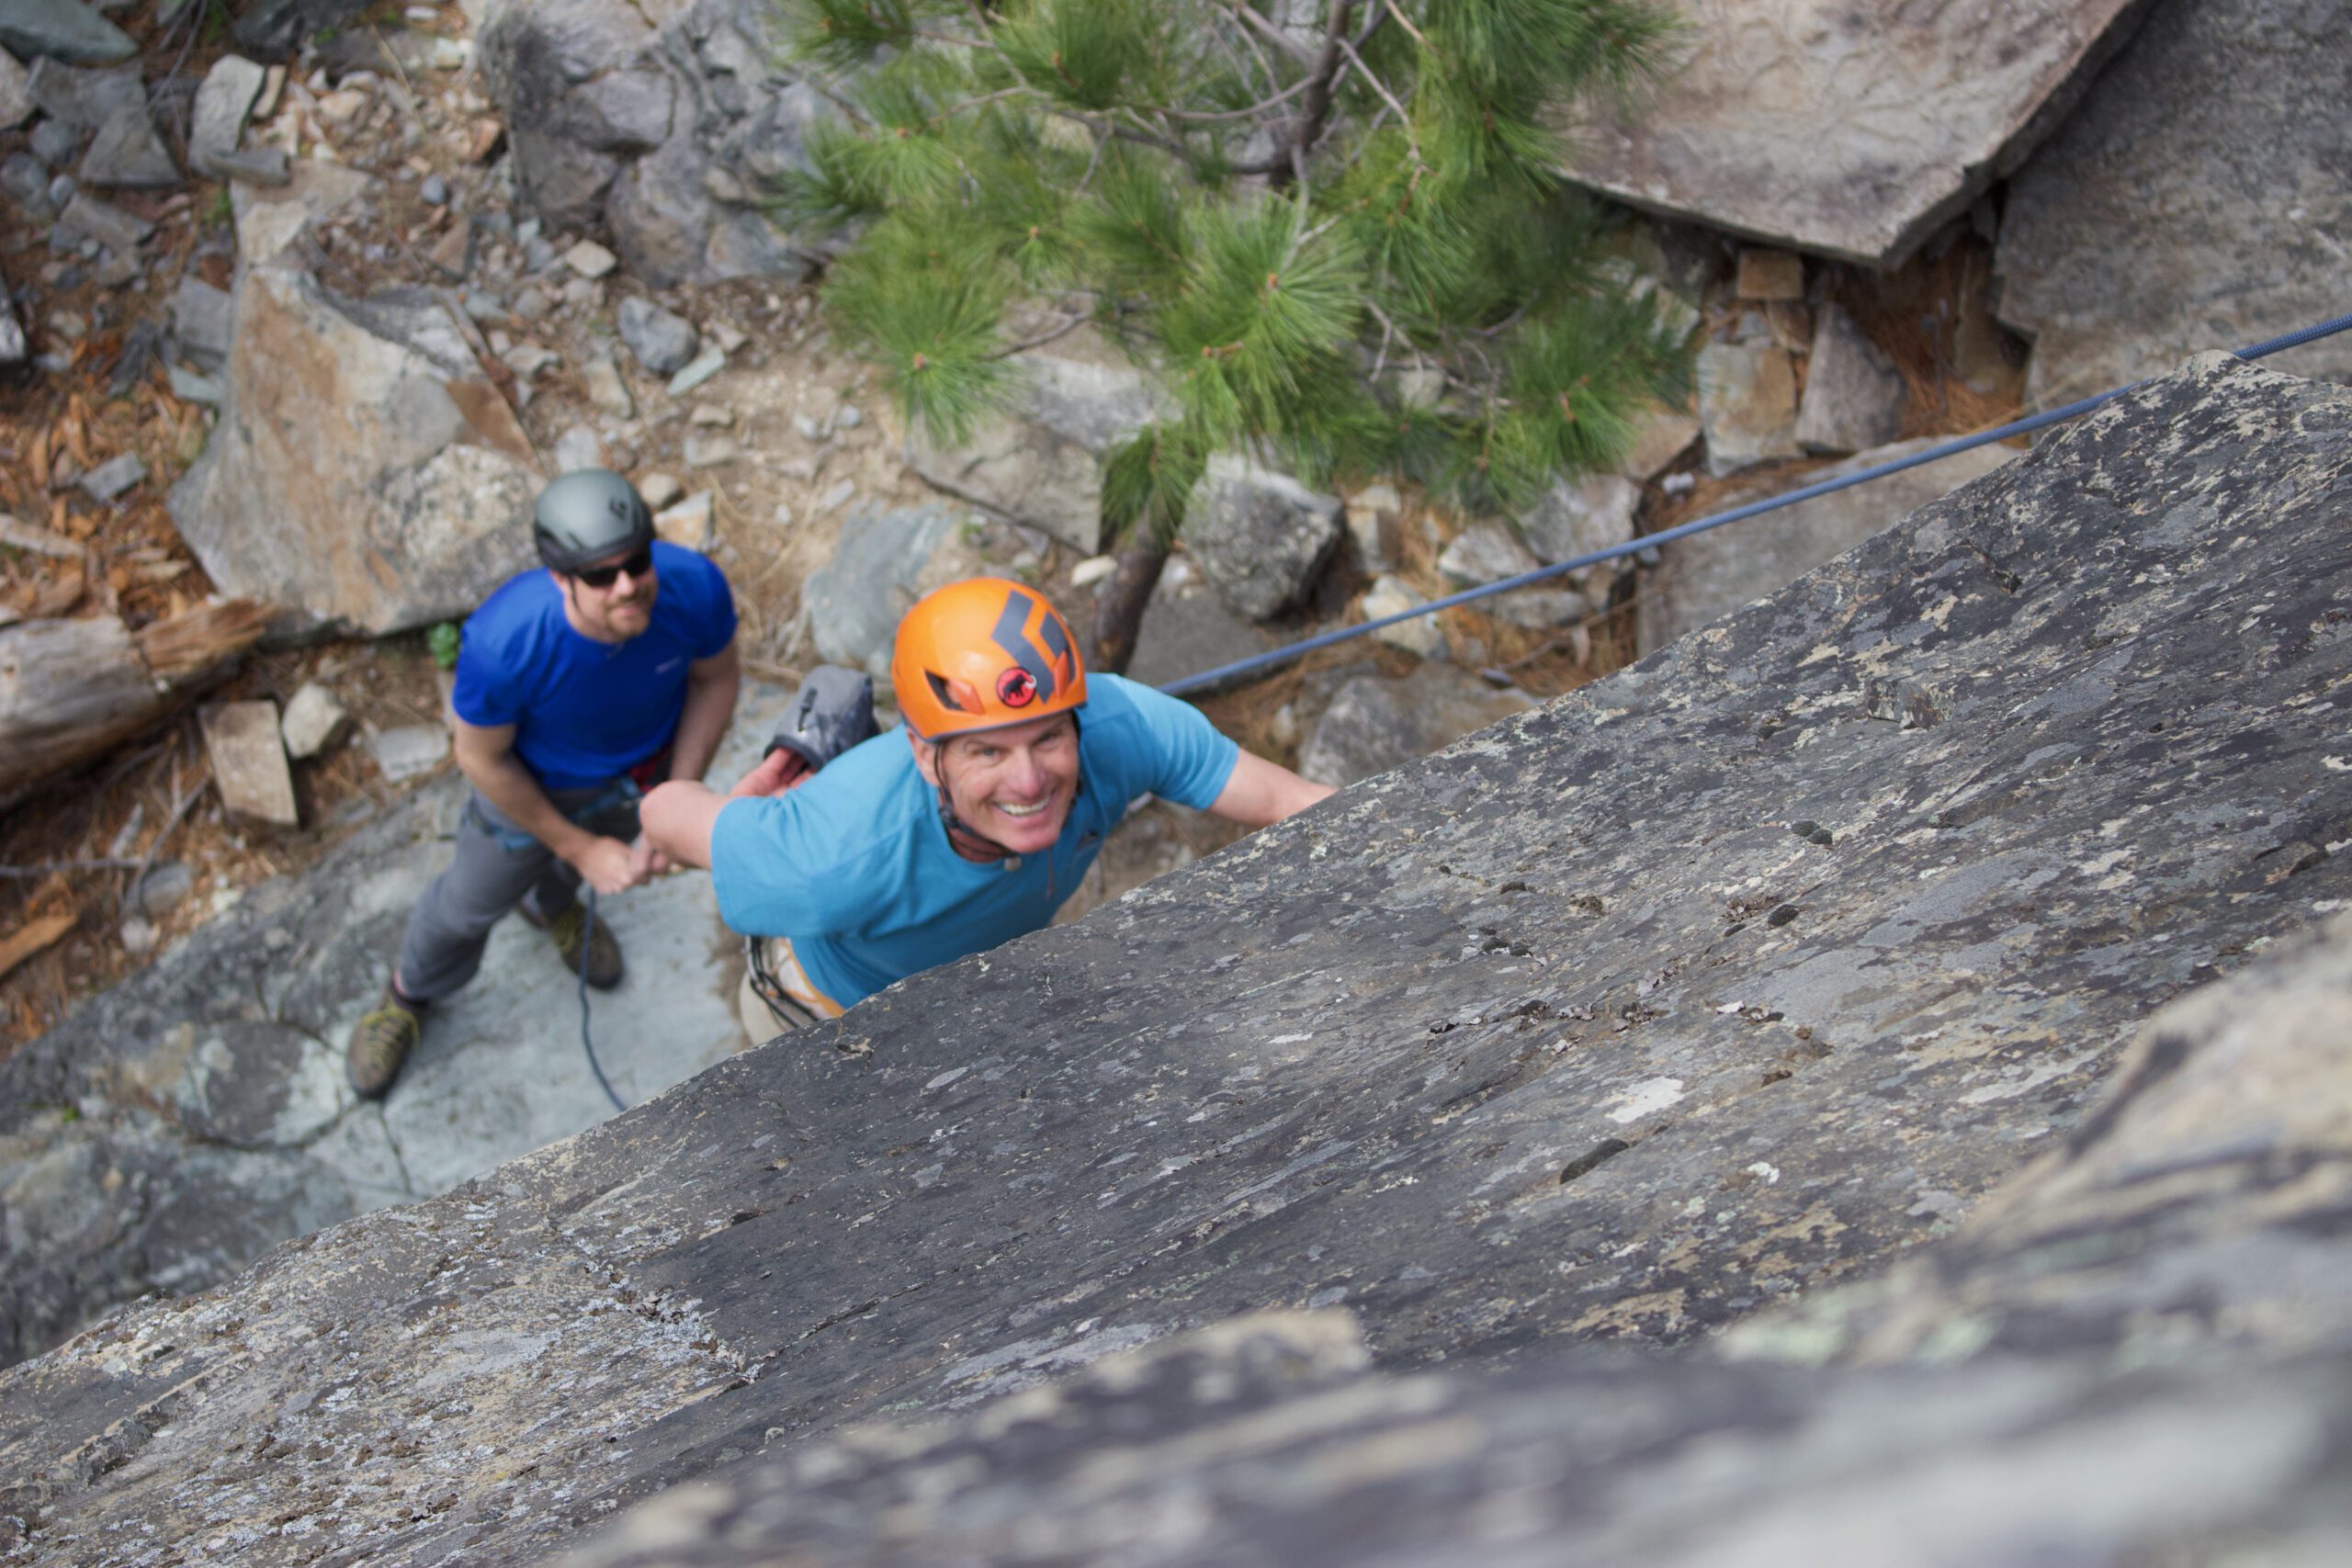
(646, 860)
(608, 865)
(777, 772)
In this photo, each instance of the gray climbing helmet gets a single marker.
(586, 516)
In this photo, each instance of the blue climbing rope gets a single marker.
(1225, 672)
(587, 941)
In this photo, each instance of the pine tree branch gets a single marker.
(1412, 142)
(1324, 76)
(1042, 339)
(1261, 107)
(1273, 35)
(1418, 37)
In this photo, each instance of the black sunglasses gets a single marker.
(636, 565)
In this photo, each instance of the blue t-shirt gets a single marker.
(855, 868)
(586, 711)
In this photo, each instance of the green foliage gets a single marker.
(1346, 242)
(442, 643)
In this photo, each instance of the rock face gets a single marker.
(2197, 200)
(633, 115)
(1714, 573)
(2034, 1403)
(1041, 462)
(1849, 130)
(1723, 980)
(365, 471)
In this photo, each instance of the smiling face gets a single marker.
(620, 609)
(1013, 786)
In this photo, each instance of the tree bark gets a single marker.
(1119, 608)
(70, 690)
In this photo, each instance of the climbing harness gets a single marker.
(1226, 672)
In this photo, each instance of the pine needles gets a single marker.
(1338, 235)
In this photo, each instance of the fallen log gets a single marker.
(71, 689)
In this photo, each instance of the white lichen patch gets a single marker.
(1645, 1099)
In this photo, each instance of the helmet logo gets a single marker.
(1030, 670)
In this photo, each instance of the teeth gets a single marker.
(1022, 810)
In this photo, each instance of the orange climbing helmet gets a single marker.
(982, 654)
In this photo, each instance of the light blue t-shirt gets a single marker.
(857, 869)
(586, 711)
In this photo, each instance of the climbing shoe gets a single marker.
(379, 1043)
(569, 930)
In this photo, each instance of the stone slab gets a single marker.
(2198, 199)
(16, 99)
(222, 104)
(1851, 132)
(249, 761)
(1720, 983)
(62, 30)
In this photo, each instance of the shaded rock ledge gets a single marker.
(1727, 978)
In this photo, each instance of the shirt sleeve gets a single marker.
(486, 693)
(1190, 760)
(718, 620)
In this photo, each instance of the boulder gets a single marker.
(1577, 517)
(1747, 403)
(1421, 635)
(661, 217)
(202, 323)
(2198, 199)
(663, 340)
(364, 472)
(62, 30)
(126, 152)
(84, 99)
(1853, 393)
(273, 28)
(1373, 723)
(1705, 989)
(1849, 131)
(1188, 630)
(853, 603)
(1261, 537)
(1710, 575)
(1041, 461)
(17, 104)
(12, 334)
(1485, 551)
(217, 123)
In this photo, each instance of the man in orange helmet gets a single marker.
(902, 855)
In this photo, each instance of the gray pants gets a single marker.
(497, 865)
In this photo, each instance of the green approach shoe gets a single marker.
(379, 1043)
(569, 930)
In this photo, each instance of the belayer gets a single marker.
(908, 851)
(578, 688)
